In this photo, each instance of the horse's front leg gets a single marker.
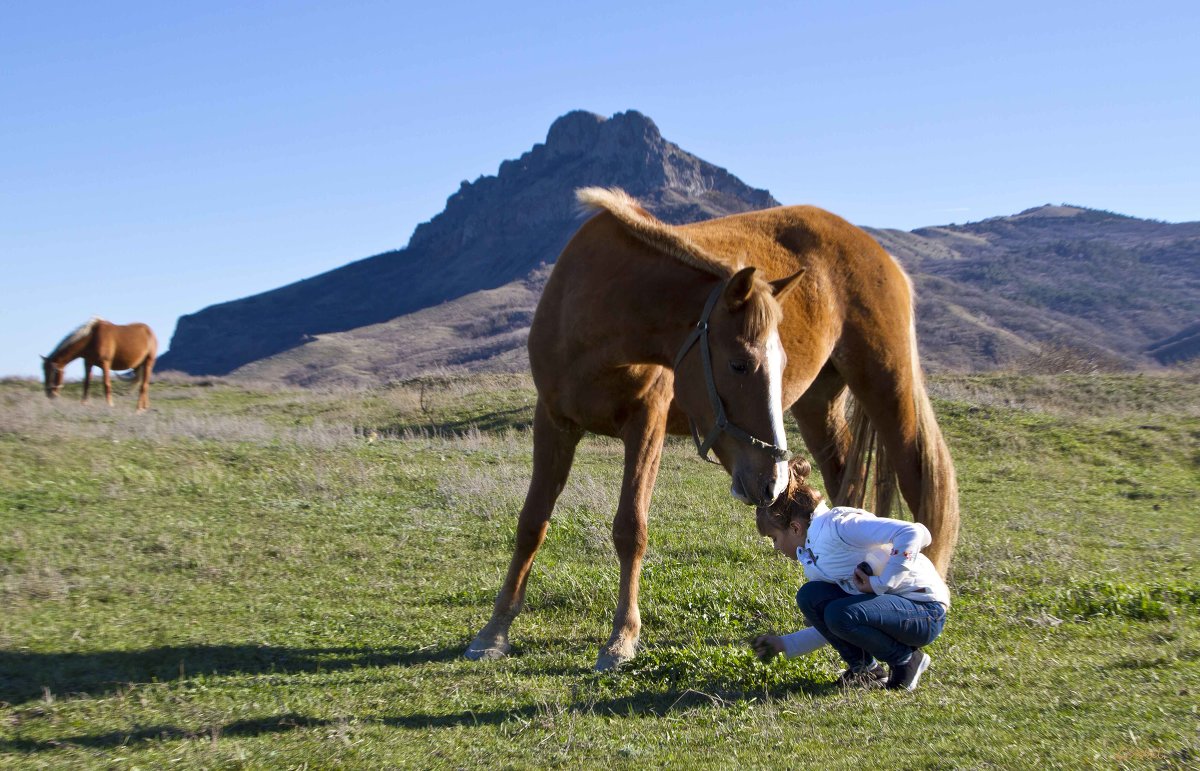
(87, 379)
(553, 452)
(643, 435)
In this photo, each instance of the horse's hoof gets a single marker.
(486, 651)
(608, 661)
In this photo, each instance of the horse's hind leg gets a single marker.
(643, 435)
(821, 414)
(553, 452)
(144, 388)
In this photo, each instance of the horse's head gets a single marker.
(52, 377)
(729, 381)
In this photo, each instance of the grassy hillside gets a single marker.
(278, 578)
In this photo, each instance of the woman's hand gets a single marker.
(861, 581)
(767, 646)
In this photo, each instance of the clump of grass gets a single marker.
(724, 669)
(1104, 599)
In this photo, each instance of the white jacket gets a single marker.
(838, 539)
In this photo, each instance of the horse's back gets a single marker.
(126, 346)
(784, 239)
(853, 292)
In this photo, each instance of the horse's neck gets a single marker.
(671, 308)
(71, 352)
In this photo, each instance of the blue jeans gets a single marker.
(863, 627)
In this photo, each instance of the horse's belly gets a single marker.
(122, 361)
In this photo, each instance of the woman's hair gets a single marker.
(795, 505)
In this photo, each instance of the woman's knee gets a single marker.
(843, 616)
(812, 595)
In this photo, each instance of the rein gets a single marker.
(700, 334)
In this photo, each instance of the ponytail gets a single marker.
(797, 504)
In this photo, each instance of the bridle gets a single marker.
(700, 333)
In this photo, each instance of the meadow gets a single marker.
(258, 577)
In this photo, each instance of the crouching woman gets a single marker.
(869, 592)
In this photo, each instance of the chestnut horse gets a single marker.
(609, 350)
(109, 346)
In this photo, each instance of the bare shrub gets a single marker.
(1056, 358)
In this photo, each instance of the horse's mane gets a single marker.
(650, 230)
(80, 332)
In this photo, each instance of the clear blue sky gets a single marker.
(159, 157)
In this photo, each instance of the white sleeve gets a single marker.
(803, 642)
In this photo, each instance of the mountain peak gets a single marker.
(580, 132)
(492, 231)
(1050, 210)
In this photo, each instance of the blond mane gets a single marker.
(650, 230)
(80, 332)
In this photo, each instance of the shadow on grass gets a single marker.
(650, 704)
(25, 676)
(518, 418)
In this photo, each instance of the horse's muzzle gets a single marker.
(753, 489)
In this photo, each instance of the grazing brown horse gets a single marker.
(109, 346)
(612, 352)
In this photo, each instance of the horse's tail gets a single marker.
(870, 481)
(939, 485)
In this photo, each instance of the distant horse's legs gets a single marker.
(643, 435)
(144, 388)
(553, 452)
(821, 415)
(87, 379)
(107, 382)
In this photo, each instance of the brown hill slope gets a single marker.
(1062, 285)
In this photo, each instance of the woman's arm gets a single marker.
(865, 531)
(805, 641)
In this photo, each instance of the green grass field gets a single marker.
(270, 578)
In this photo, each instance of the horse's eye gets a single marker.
(739, 367)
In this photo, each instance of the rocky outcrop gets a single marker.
(493, 231)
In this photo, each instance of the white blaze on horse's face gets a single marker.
(771, 368)
(774, 365)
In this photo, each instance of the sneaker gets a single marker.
(906, 676)
(873, 676)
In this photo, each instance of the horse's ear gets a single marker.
(43, 357)
(739, 288)
(782, 287)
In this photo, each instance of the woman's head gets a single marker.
(790, 514)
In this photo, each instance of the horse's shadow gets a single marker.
(26, 676)
(517, 418)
